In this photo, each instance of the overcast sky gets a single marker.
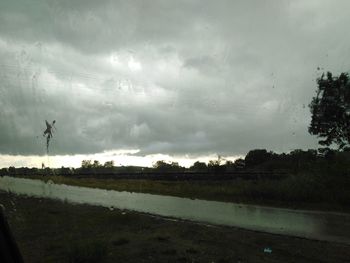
(186, 79)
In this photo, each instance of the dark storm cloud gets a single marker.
(172, 77)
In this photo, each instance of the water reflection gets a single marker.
(315, 225)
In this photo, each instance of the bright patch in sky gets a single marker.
(134, 65)
(120, 158)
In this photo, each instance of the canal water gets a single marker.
(327, 226)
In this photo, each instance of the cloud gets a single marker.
(177, 78)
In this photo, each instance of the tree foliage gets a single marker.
(199, 166)
(239, 163)
(216, 165)
(86, 164)
(330, 110)
(165, 166)
(96, 164)
(109, 164)
(256, 157)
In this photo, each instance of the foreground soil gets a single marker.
(54, 231)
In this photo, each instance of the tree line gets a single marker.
(258, 160)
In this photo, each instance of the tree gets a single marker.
(229, 163)
(109, 164)
(199, 166)
(174, 165)
(86, 164)
(164, 166)
(215, 166)
(256, 157)
(239, 163)
(161, 165)
(330, 110)
(96, 164)
(215, 163)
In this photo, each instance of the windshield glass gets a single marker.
(175, 131)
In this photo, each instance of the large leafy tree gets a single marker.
(330, 110)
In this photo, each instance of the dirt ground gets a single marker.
(54, 231)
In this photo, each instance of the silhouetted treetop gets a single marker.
(330, 110)
(256, 157)
(199, 166)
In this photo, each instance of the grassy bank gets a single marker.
(53, 231)
(301, 191)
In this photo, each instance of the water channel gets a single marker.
(329, 226)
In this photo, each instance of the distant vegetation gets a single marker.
(324, 160)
